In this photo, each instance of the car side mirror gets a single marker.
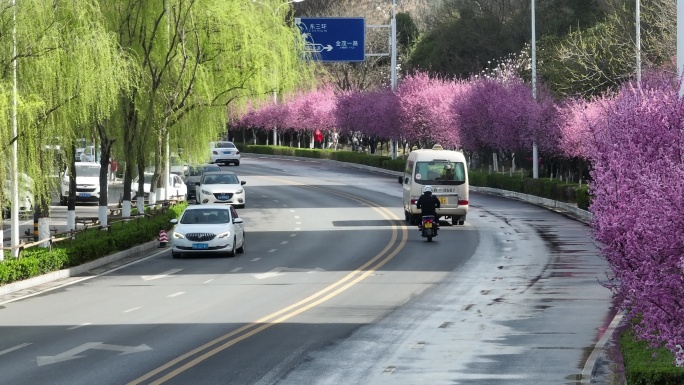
(242, 183)
(401, 180)
(238, 221)
(174, 221)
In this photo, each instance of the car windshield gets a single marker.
(87, 171)
(440, 172)
(199, 170)
(220, 179)
(225, 145)
(206, 216)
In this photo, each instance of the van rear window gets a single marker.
(440, 173)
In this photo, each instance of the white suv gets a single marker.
(224, 152)
(87, 183)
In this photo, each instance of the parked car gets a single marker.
(90, 154)
(178, 166)
(25, 196)
(177, 188)
(221, 187)
(87, 183)
(224, 153)
(194, 175)
(208, 229)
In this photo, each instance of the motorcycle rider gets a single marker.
(428, 204)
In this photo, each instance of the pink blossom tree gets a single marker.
(638, 205)
(425, 110)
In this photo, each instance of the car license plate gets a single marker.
(84, 195)
(222, 197)
(227, 152)
(428, 225)
(200, 246)
(442, 200)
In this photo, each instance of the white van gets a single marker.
(446, 171)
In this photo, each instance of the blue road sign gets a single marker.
(334, 39)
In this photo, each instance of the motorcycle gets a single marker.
(429, 227)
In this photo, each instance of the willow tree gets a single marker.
(194, 58)
(66, 80)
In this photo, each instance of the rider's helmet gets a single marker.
(427, 189)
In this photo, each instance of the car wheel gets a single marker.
(407, 217)
(237, 163)
(461, 223)
(175, 255)
(231, 253)
(241, 249)
(454, 220)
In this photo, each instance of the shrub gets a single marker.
(87, 245)
(646, 365)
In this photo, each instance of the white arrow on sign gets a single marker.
(162, 275)
(318, 47)
(280, 270)
(72, 354)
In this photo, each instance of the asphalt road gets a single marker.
(333, 288)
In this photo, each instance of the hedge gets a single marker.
(547, 188)
(87, 245)
(645, 365)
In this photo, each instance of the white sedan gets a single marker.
(221, 187)
(177, 188)
(208, 229)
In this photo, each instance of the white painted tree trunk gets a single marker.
(141, 206)
(161, 194)
(44, 231)
(152, 198)
(102, 215)
(126, 209)
(495, 162)
(71, 219)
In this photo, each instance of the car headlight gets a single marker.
(224, 235)
(178, 235)
(240, 191)
(206, 192)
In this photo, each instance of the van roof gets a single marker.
(437, 155)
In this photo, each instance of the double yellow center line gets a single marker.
(188, 360)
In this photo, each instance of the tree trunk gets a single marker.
(105, 154)
(71, 200)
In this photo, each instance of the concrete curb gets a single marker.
(76, 270)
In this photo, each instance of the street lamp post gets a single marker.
(275, 70)
(535, 151)
(393, 62)
(638, 40)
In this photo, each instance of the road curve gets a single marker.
(333, 288)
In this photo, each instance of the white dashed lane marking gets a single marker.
(235, 270)
(272, 250)
(133, 309)
(175, 294)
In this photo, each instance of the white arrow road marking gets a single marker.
(270, 274)
(162, 275)
(282, 270)
(14, 348)
(79, 326)
(72, 354)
